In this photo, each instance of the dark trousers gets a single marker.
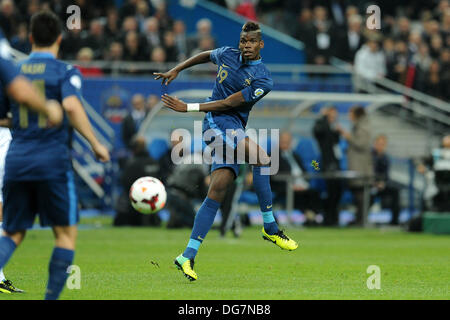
(358, 201)
(390, 199)
(331, 204)
(308, 199)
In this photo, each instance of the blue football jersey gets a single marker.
(8, 70)
(233, 75)
(36, 151)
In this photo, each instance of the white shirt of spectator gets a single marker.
(323, 41)
(370, 65)
(296, 171)
(353, 40)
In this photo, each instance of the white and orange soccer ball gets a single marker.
(148, 195)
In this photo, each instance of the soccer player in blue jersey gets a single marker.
(242, 80)
(38, 171)
(22, 91)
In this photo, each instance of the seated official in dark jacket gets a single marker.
(384, 188)
(140, 165)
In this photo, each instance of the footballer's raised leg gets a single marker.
(261, 184)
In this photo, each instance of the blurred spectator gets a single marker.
(9, 18)
(389, 54)
(359, 156)
(166, 163)
(320, 38)
(434, 84)
(165, 21)
(436, 169)
(303, 25)
(246, 9)
(133, 51)
(71, 43)
(350, 41)
(112, 24)
(170, 47)
(431, 28)
(20, 41)
(152, 33)
(204, 28)
(422, 62)
(133, 121)
(128, 9)
(435, 46)
(327, 137)
(306, 199)
(142, 13)
(402, 30)
(158, 57)
(185, 184)
(151, 102)
(84, 56)
(414, 42)
(114, 56)
(139, 165)
(370, 62)
(384, 188)
(179, 30)
(401, 62)
(270, 12)
(96, 39)
(205, 44)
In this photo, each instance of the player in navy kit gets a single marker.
(242, 80)
(17, 87)
(38, 172)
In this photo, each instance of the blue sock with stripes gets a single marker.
(59, 263)
(7, 247)
(261, 184)
(202, 223)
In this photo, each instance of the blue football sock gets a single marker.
(61, 260)
(202, 223)
(261, 184)
(7, 247)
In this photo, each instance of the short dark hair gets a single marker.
(251, 26)
(358, 111)
(45, 28)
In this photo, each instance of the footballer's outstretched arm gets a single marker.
(80, 121)
(23, 92)
(235, 100)
(169, 76)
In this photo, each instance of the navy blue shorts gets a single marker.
(54, 201)
(227, 133)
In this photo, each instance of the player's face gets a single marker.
(250, 44)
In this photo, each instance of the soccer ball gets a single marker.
(148, 195)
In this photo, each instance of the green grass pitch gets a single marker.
(116, 263)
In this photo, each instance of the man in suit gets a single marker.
(384, 187)
(132, 122)
(306, 199)
(328, 138)
(351, 40)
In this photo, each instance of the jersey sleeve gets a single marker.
(8, 71)
(216, 54)
(72, 83)
(257, 89)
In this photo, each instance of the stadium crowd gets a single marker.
(412, 47)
